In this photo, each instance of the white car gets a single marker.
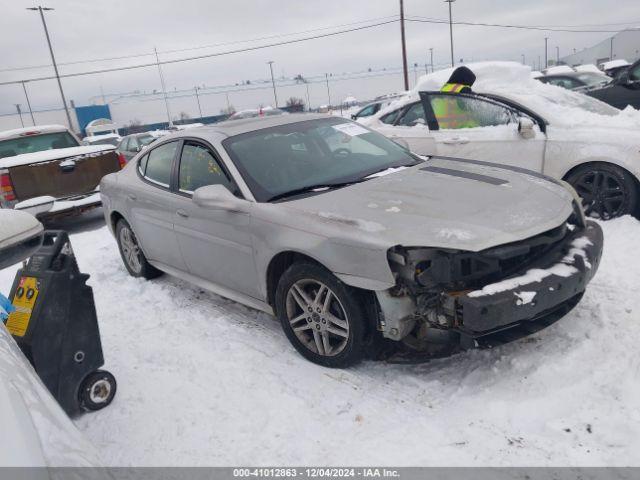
(514, 120)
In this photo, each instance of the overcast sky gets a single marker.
(82, 29)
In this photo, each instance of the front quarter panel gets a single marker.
(356, 261)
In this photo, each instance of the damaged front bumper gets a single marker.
(444, 298)
(544, 289)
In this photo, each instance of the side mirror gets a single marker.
(218, 197)
(526, 128)
(354, 117)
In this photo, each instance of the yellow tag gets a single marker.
(24, 300)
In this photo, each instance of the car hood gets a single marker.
(441, 203)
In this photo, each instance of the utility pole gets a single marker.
(404, 47)
(326, 77)
(53, 59)
(28, 102)
(198, 100)
(546, 52)
(431, 52)
(557, 55)
(523, 59)
(273, 83)
(164, 90)
(19, 113)
(228, 104)
(415, 74)
(611, 55)
(308, 98)
(451, 29)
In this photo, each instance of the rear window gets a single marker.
(36, 143)
(159, 163)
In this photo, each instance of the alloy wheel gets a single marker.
(602, 194)
(317, 317)
(130, 249)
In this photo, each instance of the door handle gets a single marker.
(131, 196)
(456, 140)
(182, 213)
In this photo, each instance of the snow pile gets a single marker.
(205, 381)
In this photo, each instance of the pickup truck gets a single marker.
(45, 171)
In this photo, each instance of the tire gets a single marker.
(607, 191)
(335, 334)
(132, 257)
(97, 390)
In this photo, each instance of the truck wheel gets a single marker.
(321, 316)
(97, 390)
(607, 191)
(131, 253)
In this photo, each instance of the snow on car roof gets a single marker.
(558, 69)
(589, 67)
(16, 132)
(614, 64)
(512, 81)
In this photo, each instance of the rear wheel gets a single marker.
(607, 191)
(321, 316)
(131, 253)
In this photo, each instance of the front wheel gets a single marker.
(321, 316)
(607, 191)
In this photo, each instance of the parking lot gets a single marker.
(206, 381)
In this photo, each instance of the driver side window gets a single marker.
(456, 112)
(634, 75)
(414, 115)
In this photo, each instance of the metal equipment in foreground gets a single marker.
(56, 326)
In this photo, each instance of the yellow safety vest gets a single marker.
(453, 87)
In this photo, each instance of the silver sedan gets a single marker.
(350, 239)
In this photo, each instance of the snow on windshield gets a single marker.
(557, 105)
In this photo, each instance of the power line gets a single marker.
(199, 57)
(213, 45)
(500, 25)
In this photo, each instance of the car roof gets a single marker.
(574, 74)
(230, 128)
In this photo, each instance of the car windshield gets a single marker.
(146, 139)
(593, 79)
(36, 143)
(323, 152)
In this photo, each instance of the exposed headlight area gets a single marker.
(448, 287)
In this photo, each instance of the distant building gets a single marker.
(623, 45)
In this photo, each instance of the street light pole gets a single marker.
(404, 47)
(431, 52)
(546, 52)
(19, 113)
(451, 29)
(557, 55)
(164, 89)
(326, 77)
(198, 100)
(28, 102)
(273, 83)
(523, 59)
(611, 56)
(53, 59)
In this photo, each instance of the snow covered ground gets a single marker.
(205, 381)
